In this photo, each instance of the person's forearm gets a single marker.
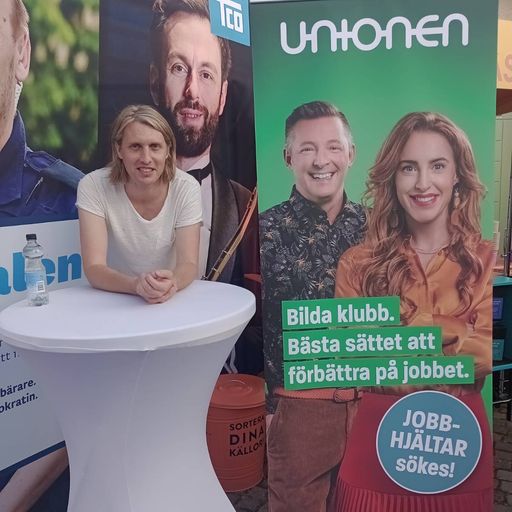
(185, 273)
(106, 278)
(30, 482)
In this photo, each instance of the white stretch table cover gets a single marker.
(130, 384)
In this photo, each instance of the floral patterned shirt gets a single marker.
(300, 250)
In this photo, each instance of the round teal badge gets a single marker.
(429, 442)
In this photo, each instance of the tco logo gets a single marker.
(230, 20)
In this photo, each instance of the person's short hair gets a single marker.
(315, 110)
(19, 18)
(148, 116)
(164, 9)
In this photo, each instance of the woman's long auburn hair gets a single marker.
(386, 271)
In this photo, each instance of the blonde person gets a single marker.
(140, 216)
(424, 244)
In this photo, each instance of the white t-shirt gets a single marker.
(137, 245)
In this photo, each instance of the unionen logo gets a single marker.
(421, 32)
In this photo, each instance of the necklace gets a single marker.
(433, 251)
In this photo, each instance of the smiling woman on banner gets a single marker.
(140, 216)
(423, 244)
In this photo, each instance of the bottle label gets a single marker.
(35, 281)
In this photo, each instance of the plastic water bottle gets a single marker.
(35, 273)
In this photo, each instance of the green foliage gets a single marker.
(59, 102)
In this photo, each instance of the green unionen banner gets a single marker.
(375, 147)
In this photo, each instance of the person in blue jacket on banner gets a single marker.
(34, 186)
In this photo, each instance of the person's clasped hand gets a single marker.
(156, 287)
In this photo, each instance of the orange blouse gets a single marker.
(435, 294)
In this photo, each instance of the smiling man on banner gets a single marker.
(189, 84)
(302, 240)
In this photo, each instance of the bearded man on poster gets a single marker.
(34, 186)
(301, 242)
(189, 84)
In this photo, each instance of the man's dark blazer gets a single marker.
(229, 202)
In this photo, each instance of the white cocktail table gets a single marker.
(130, 384)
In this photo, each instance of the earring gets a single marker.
(456, 198)
(456, 211)
(394, 219)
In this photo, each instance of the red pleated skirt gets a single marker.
(363, 486)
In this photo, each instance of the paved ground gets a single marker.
(502, 461)
(255, 499)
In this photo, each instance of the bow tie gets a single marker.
(201, 174)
